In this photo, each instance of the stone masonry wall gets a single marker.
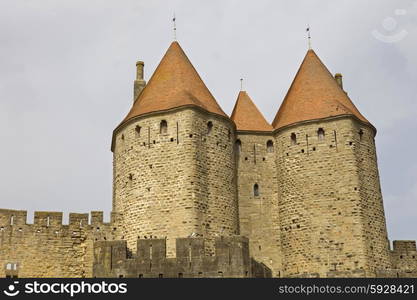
(259, 220)
(404, 256)
(324, 214)
(179, 182)
(47, 248)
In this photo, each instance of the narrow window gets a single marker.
(360, 134)
(270, 146)
(48, 221)
(179, 275)
(228, 134)
(320, 134)
(238, 147)
(293, 139)
(11, 220)
(209, 127)
(137, 129)
(163, 127)
(256, 190)
(161, 275)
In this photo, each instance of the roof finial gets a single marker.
(175, 27)
(309, 37)
(241, 84)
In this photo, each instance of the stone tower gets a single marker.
(174, 166)
(257, 183)
(330, 204)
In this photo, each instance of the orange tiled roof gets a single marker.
(247, 116)
(314, 94)
(174, 83)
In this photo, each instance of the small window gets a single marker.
(256, 190)
(238, 146)
(360, 134)
(228, 134)
(161, 275)
(293, 139)
(320, 134)
(209, 127)
(137, 129)
(179, 275)
(270, 146)
(163, 127)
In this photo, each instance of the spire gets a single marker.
(174, 83)
(247, 116)
(314, 94)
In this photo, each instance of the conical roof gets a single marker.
(174, 83)
(314, 94)
(247, 116)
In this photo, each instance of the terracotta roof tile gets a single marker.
(247, 116)
(314, 94)
(174, 83)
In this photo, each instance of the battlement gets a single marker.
(231, 259)
(404, 257)
(404, 246)
(9, 217)
(41, 248)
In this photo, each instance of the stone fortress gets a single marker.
(197, 193)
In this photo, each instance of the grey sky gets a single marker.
(67, 70)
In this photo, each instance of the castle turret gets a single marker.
(174, 167)
(330, 204)
(139, 83)
(257, 186)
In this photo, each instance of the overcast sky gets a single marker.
(67, 71)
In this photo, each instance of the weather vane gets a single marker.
(175, 28)
(309, 36)
(241, 84)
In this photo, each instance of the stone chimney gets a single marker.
(339, 79)
(139, 82)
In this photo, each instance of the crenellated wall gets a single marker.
(231, 259)
(259, 214)
(47, 248)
